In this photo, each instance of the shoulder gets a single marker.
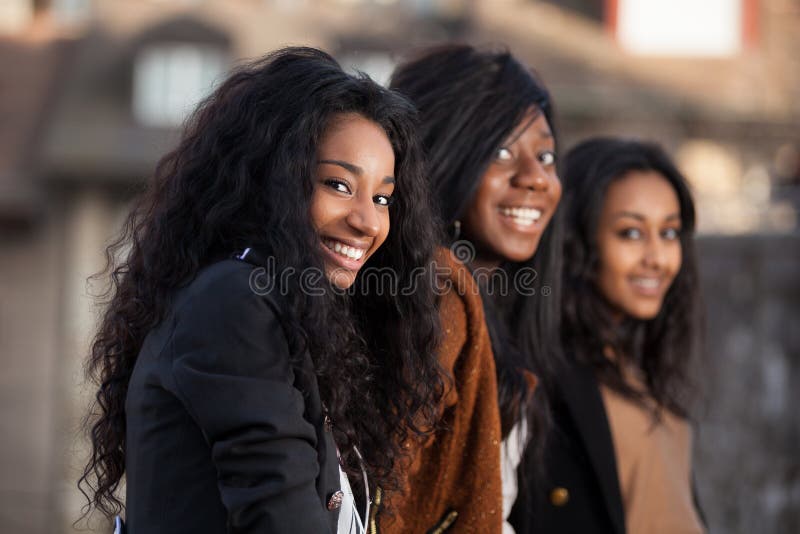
(460, 306)
(224, 304)
(224, 326)
(225, 286)
(226, 277)
(466, 346)
(454, 273)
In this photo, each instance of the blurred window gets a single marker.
(170, 79)
(15, 15)
(680, 27)
(71, 11)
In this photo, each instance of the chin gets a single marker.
(342, 280)
(644, 312)
(518, 255)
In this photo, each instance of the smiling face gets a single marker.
(517, 196)
(638, 239)
(353, 188)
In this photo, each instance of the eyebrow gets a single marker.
(543, 134)
(640, 217)
(355, 169)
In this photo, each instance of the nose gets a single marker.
(363, 217)
(654, 253)
(531, 175)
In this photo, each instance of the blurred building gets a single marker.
(93, 92)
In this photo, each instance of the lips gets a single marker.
(522, 217)
(650, 286)
(347, 254)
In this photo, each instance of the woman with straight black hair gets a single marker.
(240, 352)
(619, 457)
(486, 126)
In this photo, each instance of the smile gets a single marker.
(647, 286)
(344, 250)
(522, 216)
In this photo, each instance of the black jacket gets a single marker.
(225, 433)
(580, 492)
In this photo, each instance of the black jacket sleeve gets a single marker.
(231, 369)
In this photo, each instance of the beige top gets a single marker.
(654, 467)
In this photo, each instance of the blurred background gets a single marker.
(92, 92)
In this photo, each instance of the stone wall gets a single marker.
(747, 460)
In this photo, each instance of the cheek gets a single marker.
(482, 206)
(613, 265)
(323, 210)
(490, 191)
(317, 210)
(386, 224)
(675, 260)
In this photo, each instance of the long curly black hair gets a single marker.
(470, 101)
(663, 346)
(242, 176)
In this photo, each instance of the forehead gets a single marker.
(646, 193)
(345, 127)
(357, 140)
(532, 126)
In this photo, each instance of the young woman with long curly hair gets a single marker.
(240, 350)
(619, 457)
(487, 128)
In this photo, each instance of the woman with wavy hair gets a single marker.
(487, 128)
(620, 455)
(240, 351)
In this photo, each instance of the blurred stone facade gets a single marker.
(74, 149)
(747, 463)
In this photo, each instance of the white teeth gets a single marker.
(523, 216)
(347, 251)
(647, 283)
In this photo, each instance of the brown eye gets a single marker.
(547, 158)
(630, 233)
(503, 154)
(337, 185)
(383, 200)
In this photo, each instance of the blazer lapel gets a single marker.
(582, 396)
(306, 382)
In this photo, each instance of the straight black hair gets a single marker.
(470, 101)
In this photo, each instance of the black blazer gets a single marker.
(580, 492)
(224, 433)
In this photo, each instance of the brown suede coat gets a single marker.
(454, 480)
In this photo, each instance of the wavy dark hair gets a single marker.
(242, 176)
(661, 347)
(470, 101)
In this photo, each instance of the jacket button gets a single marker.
(335, 500)
(559, 496)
